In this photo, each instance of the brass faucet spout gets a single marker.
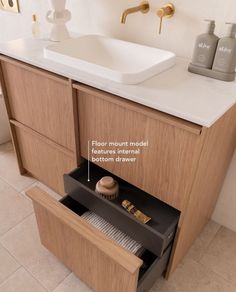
(143, 7)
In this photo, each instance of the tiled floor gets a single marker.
(26, 266)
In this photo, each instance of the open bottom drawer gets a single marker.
(155, 236)
(92, 256)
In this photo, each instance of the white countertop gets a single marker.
(195, 98)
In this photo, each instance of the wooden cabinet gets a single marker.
(184, 165)
(54, 120)
(165, 168)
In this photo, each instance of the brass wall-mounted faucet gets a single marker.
(143, 7)
(167, 11)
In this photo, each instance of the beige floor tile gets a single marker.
(72, 284)
(24, 244)
(221, 255)
(21, 281)
(8, 264)
(43, 187)
(6, 147)
(193, 277)
(13, 208)
(203, 241)
(10, 173)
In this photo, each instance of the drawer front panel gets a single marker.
(98, 261)
(40, 101)
(44, 161)
(166, 168)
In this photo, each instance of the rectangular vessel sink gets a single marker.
(113, 59)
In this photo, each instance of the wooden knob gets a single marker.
(107, 187)
(107, 182)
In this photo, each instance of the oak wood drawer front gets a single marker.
(166, 169)
(40, 100)
(44, 161)
(96, 259)
(155, 236)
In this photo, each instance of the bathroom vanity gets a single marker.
(55, 111)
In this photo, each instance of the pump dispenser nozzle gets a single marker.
(232, 29)
(211, 26)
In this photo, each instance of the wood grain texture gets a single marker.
(97, 260)
(74, 101)
(43, 138)
(12, 128)
(152, 113)
(217, 152)
(165, 169)
(40, 102)
(36, 70)
(42, 160)
(184, 165)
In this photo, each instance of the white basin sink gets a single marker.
(113, 59)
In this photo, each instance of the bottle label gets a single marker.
(225, 50)
(204, 46)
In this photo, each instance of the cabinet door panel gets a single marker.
(166, 167)
(40, 100)
(44, 161)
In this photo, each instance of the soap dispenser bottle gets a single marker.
(35, 26)
(225, 58)
(205, 47)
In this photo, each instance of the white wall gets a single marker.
(179, 32)
(102, 16)
(225, 211)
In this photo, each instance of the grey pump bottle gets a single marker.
(225, 58)
(205, 47)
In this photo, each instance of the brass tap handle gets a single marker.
(160, 26)
(166, 11)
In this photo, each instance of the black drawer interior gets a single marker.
(156, 235)
(153, 266)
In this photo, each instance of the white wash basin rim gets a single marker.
(111, 58)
